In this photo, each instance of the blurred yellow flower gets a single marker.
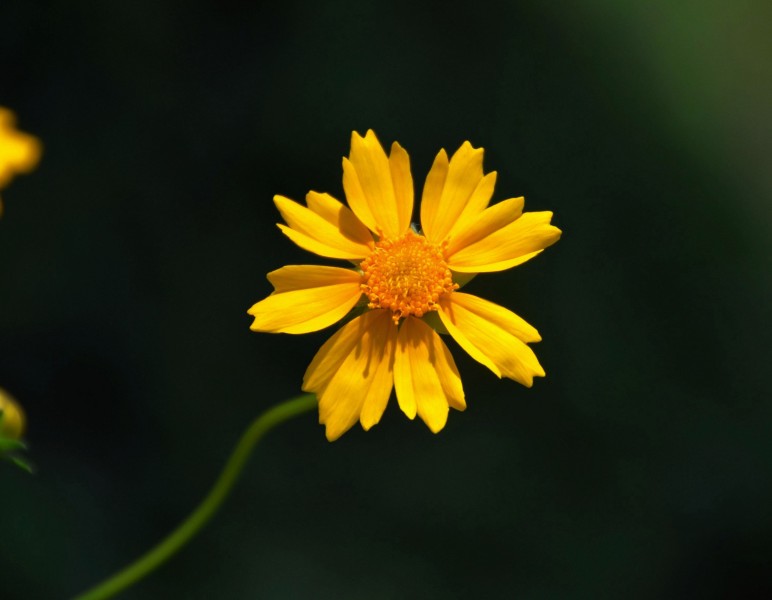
(403, 280)
(13, 420)
(19, 152)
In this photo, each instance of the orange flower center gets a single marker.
(408, 276)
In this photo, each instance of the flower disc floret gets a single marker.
(407, 276)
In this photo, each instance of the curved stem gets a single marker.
(208, 507)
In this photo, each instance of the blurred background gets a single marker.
(641, 467)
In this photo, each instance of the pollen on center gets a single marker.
(408, 276)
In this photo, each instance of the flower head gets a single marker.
(19, 152)
(406, 283)
(12, 420)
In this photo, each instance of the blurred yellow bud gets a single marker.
(19, 152)
(13, 419)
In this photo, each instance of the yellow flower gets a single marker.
(13, 420)
(403, 280)
(19, 152)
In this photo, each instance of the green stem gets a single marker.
(200, 517)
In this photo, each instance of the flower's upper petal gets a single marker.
(454, 192)
(306, 298)
(19, 152)
(482, 225)
(505, 247)
(402, 180)
(338, 214)
(356, 197)
(352, 374)
(425, 375)
(492, 335)
(432, 194)
(379, 189)
(326, 228)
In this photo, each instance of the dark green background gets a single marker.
(641, 467)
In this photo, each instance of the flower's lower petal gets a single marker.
(306, 298)
(498, 315)
(352, 373)
(315, 233)
(454, 192)
(508, 246)
(425, 376)
(450, 378)
(333, 352)
(490, 337)
(338, 414)
(370, 189)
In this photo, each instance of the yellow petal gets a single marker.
(433, 186)
(19, 152)
(300, 277)
(352, 374)
(477, 203)
(425, 375)
(402, 179)
(509, 246)
(306, 298)
(492, 335)
(449, 375)
(498, 315)
(491, 219)
(356, 197)
(381, 202)
(339, 215)
(454, 192)
(314, 232)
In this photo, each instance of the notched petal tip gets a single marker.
(455, 191)
(369, 137)
(378, 187)
(473, 150)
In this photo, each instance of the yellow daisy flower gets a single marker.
(403, 280)
(12, 422)
(19, 152)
